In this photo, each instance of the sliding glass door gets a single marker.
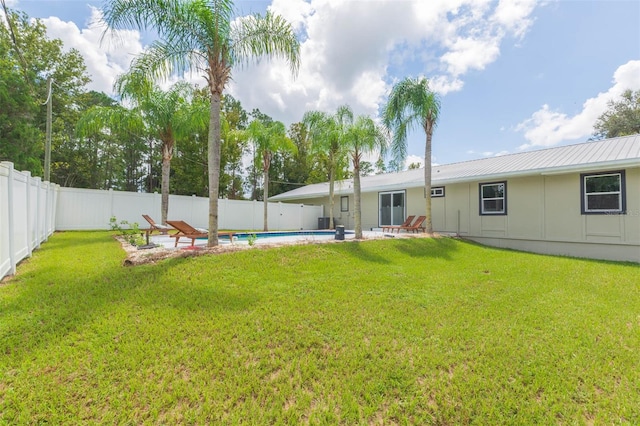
(391, 207)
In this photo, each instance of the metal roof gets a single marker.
(592, 156)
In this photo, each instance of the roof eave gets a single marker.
(549, 171)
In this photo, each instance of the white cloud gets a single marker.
(348, 50)
(513, 15)
(494, 154)
(104, 60)
(547, 127)
(411, 159)
(471, 53)
(445, 84)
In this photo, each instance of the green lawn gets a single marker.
(407, 331)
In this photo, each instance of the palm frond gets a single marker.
(411, 104)
(271, 36)
(99, 120)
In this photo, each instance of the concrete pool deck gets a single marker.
(185, 243)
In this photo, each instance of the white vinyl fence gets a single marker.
(27, 215)
(31, 210)
(80, 209)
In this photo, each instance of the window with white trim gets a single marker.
(437, 191)
(493, 198)
(603, 193)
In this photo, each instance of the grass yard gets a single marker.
(407, 331)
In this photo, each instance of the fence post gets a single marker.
(47, 218)
(193, 209)
(111, 212)
(54, 207)
(29, 216)
(10, 204)
(38, 210)
(279, 215)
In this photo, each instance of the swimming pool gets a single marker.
(245, 236)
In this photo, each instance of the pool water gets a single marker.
(243, 236)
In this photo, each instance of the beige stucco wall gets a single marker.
(543, 215)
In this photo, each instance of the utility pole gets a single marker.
(47, 148)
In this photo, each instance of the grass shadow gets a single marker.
(366, 251)
(441, 248)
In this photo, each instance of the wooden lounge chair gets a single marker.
(407, 222)
(187, 231)
(153, 226)
(415, 226)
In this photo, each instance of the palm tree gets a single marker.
(268, 139)
(412, 103)
(327, 133)
(166, 117)
(203, 36)
(363, 136)
(104, 129)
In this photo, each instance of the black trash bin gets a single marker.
(340, 232)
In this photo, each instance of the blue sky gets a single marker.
(512, 75)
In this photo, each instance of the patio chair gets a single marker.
(153, 226)
(407, 222)
(187, 231)
(415, 226)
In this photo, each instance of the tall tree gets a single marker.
(362, 137)
(203, 35)
(233, 148)
(27, 58)
(327, 132)
(167, 114)
(297, 168)
(622, 117)
(189, 166)
(110, 136)
(411, 103)
(269, 139)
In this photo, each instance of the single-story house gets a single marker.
(579, 200)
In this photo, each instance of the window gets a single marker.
(438, 191)
(603, 193)
(493, 198)
(344, 204)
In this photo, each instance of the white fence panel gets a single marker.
(193, 210)
(130, 206)
(20, 214)
(240, 215)
(27, 215)
(310, 217)
(80, 209)
(83, 209)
